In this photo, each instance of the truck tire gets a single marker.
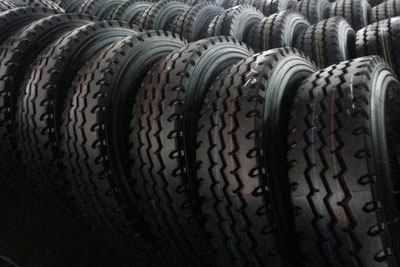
(328, 42)
(270, 7)
(241, 140)
(343, 160)
(236, 22)
(278, 30)
(355, 12)
(17, 54)
(39, 117)
(193, 23)
(161, 15)
(386, 10)
(313, 10)
(381, 38)
(167, 109)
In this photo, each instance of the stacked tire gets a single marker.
(208, 132)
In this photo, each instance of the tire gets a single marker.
(341, 149)
(37, 4)
(193, 23)
(313, 10)
(376, 2)
(270, 7)
(384, 11)
(73, 6)
(278, 30)
(16, 56)
(381, 39)
(99, 8)
(129, 11)
(161, 15)
(236, 22)
(236, 142)
(4, 6)
(39, 119)
(232, 3)
(14, 20)
(328, 42)
(118, 73)
(356, 12)
(167, 109)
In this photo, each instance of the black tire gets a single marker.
(384, 11)
(381, 38)
(73, 6)
(37, 3)
(163, 139)
(39, 118)
(161, 15)
(376, 2)
(4, 6)
(193, 23)
(313, 10)
(232, 3)
(269, 7)
(99, 8)
(108, 85)
(130, 10)
(242, 139)
(14, 20)
(16, 56)
(328, 42)
(278, 30)
(236, 22)
(343, 167)
(356, 12)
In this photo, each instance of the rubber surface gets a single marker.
(381, 39)
(129, 11)
(270, 7)
(14, 20)
(342, 164)
(241, 143)
(5, 5)
(193, 23)
(40, 118)
(108, 85)
(99, 8)
(236, 22)
(161, 15)
(163, 139)
(36, 3)
(313, 10)
(356, 12)
(278, 30)
(17, 55)
(328, 42)
(386, 10)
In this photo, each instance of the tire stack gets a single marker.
(251, 133)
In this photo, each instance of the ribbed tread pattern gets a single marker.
(272, 32)
(333, 176)
(380, 38)
(164, 145)
(161, 15)
(355, 12)
(40, 109)
(236, 22)
(328, 42)
(232, 162)
(193, 23)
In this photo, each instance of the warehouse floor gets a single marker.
(39, 235)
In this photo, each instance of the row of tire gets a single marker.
(219, 154)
